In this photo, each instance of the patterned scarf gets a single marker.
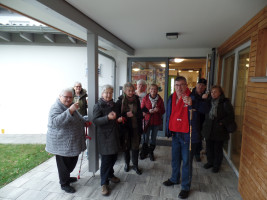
(109, 103)
(214, 106)
(153, 100)
(130, 104)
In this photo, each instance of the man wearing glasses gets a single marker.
(178, 125)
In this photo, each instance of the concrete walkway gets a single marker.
(42, 182)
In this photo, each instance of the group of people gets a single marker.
(120, 125)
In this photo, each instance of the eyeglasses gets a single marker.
(78, 86)
(67, 97)
(181, 85)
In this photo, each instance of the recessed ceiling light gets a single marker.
(171, 69)
(163, 65)
(136, 69)
(178, 60)
(190, 70)
(180, 70)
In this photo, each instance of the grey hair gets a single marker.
(65, 91)
(106, 87)
(127, 85)
(77, 83)
(141, 82)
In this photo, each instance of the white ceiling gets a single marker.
(143, 24)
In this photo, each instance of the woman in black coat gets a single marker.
(130, 125)
(220, 114)
(104, 117)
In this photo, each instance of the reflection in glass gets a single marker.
(227, 84)
(239, 105)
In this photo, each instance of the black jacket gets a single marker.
(216, 129)
(107, 130)
(129, 139)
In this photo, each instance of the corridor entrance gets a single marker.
(163, 72)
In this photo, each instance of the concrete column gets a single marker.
(92, 66)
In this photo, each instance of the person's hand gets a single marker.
(187, 100)
(119, 119)
(74, 107)
(156, 109)
(144, 114)
(205, 96)
(130, 114)
(151, 111)
(112, 115)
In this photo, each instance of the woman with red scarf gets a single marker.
(130, 120)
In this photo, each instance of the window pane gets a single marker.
(239, 105)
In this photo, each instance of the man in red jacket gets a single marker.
(177, 126)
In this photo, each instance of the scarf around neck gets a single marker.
(214, 106)
(153, 100)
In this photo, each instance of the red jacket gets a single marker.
(155, 118)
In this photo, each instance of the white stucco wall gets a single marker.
(31, 79)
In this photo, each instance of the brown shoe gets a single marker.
(114, 179)
(105, 190)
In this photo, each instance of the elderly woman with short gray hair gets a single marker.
(104, 117)
(65, 137)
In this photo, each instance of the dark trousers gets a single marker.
(134, 157)
(214, 152)
(106, 170)
(65, 165)
(198, 149)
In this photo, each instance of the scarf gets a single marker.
(214, 106)
(153, 100)
(130, 104)
(109, 103)
(179, 116)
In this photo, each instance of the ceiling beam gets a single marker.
(70, 12)
(49, 37)
(27, 36)
(5, 36)
(73, 40)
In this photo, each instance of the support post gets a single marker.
(92, 77)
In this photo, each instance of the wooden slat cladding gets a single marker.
(253, 160)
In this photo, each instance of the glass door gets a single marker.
(239, 104)
(234, 82)
(152, 70)
(227, 81)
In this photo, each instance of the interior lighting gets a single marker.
(171, 69)
(190, 70)
(180, 70)
(163, 65)
(247, 59)
(178, 60)
(136, 69)
(247, 65)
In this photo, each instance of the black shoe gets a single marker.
(208, 165)
(137, 170)
(198, 159)
(183, 194)
(126, 168)
(73, 179)
(151, 156)
(68, 188)
(168, 183)
(215, 169)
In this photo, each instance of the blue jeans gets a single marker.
(154, 131)
(180, 155)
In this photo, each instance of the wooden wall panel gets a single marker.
(253, 160)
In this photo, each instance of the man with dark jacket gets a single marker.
(178, 125)
(197, 92)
